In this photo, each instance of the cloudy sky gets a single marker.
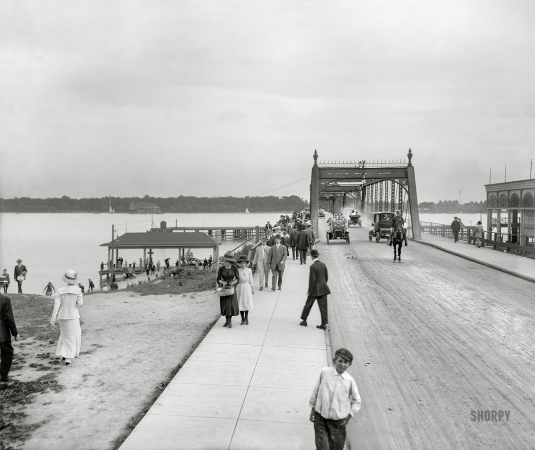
(214, 98)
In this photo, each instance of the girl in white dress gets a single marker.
(244, 289)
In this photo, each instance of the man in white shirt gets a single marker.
(334, 401)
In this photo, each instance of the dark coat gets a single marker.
(19, 270)
(285, 241)
(317, 281)
(456, 225)
(7, 321)
(293, 238)
(303, 240)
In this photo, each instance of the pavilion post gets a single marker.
(112, 248)
(144, 258)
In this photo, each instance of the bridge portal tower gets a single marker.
(376, 185)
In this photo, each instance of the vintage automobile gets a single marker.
(354, 219)
(321, 213)
(337, 230)
(382, 225)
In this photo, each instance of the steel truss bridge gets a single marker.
(367, 186)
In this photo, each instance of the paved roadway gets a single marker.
(442, 335)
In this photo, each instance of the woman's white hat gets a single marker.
(70, 276)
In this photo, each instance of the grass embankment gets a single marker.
(32, 313)
(189, 281)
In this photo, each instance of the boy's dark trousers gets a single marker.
(295, 252)
(6, 358)
(330, 435)
(302, 256)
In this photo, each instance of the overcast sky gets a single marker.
(215, 98)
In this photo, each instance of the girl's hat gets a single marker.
(70, 276)
(243, 258)
(228, 257)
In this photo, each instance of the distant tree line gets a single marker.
(179, 204)
(453, 206)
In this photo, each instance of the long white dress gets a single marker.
(244, 289)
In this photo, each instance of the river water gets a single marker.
(49, 244)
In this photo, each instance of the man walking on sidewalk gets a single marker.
(277, 260)
(455, 227)
(261, 263)
(293, 242)
(303, 244)
(317, 290)
(7, 328)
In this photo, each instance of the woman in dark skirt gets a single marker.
(228, 276)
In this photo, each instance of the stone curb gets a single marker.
(492, 266)
(328, 349)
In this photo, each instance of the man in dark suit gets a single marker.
(293, 242)
(20, 269)
(455, 227)
(317, 290)
(277, 260)
(303, 244)
(7, 328)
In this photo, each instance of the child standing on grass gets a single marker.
(335, 399)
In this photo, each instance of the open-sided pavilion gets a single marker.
(144, 241)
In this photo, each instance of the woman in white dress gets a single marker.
(66, 313)
(244, 289)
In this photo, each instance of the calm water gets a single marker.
(49, 244)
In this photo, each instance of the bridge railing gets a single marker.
(227, 234)
(511, 243)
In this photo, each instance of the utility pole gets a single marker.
(112, 251)
(530, 167)
(506, 173)
(490, 179)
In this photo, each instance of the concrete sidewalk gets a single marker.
(247, 387)
(506, 262)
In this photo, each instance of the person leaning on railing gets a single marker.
(478, 234)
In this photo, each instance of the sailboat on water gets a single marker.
(246, 211)
(111, 207)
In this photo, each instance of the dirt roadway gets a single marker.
(443, 336)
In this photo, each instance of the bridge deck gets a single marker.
(442, 335)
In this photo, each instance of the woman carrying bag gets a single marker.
(227, 277)
(66, 313)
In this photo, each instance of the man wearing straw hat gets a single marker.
(277, 261)
(20, 273)
(7, 329)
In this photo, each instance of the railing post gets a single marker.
(257, 233)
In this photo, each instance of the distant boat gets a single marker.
(111, 207)
(246, 211)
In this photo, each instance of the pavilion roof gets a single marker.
(162, 240)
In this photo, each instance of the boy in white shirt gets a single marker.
(335, 399)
